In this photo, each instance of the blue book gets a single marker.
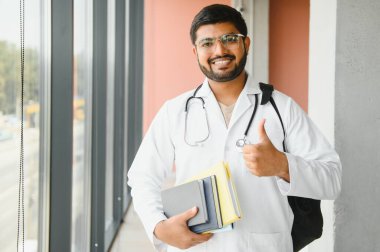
(214, 221)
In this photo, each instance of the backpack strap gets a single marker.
(308, 219)
(267, 90)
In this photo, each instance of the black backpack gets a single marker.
(308, 220)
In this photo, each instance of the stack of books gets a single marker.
(213, 193)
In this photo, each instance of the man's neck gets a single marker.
(228, 92)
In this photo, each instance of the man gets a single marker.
(198, 139)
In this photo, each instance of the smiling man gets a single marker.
(202, 127)
(224, 65)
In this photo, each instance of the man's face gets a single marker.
(221, 58)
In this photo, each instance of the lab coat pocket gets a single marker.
(268, 242)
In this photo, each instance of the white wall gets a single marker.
(357, 125)
(256, 15)
(322, 65)
(322, 93)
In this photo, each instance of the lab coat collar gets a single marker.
(245, 100)
(251, 87)
(243, 103)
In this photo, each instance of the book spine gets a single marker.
(216, 201)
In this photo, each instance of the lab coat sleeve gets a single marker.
(150, 167)
(314, 166)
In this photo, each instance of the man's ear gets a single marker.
(195, 50)
(247, 43)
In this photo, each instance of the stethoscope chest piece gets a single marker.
(241, 142)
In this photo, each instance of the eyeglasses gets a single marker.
(229, 41)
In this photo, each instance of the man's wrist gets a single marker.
(284, 167)
(156, 230)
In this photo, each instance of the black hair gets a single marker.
(217, 13)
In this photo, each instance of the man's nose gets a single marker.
(220, 48)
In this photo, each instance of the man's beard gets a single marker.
(227, 76)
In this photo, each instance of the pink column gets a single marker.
(170, 67)
(289, 48)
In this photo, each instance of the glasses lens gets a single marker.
(230, 40)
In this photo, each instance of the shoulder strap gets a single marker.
(308, 219)
(267, 90)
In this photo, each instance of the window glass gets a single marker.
(110, 111)
(126, 194)
(10, 121)
(82, 78)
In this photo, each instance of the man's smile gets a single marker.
(221, 60)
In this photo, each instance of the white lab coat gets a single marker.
(314, 166)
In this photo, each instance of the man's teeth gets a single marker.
(220, 62)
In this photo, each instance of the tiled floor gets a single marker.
(132, 236)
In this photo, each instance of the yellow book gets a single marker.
(228, 200)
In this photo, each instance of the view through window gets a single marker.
(82, 78)
(10, 116)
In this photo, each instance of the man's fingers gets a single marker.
(253, 158)
(175, 232)
(187, 215)
(250, 148)
(193, 239)
(261, 131)
(199, 238)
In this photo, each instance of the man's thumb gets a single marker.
(187, 215)
(261, 131)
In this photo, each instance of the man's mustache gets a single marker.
(228, 56)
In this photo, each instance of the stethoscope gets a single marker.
(239, 143)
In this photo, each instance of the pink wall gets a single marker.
(289, 48)
(170, 67)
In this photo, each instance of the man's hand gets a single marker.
(263, 159)
(175, 232)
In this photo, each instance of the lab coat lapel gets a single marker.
(245, 101)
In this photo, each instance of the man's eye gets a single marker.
(231, 38)
(206, 44)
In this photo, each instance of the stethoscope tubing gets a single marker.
(240, 142)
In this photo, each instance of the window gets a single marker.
(82, 81)
(74, 121)
(109, 217)
(10, 120)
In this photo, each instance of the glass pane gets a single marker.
(110, 111)
(10, 121)
(81, 126)
(126, 194)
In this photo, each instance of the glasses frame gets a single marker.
(214, 39)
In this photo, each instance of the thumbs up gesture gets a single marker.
(263, 159)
